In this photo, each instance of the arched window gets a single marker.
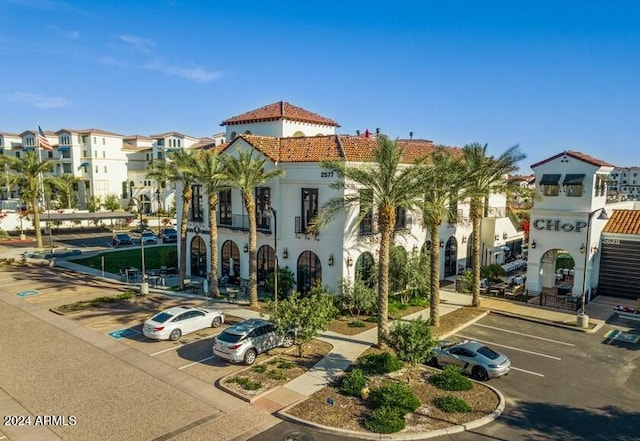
(309, 271)
(198, 257)
(247, 132)
(298, 134)
(266, 263)
(364, 269)
(230, 260)
(233, 135)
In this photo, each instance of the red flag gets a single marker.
(43, 142)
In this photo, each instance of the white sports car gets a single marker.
(175, 322)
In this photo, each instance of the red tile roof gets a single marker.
(623, 222)
(278, 111)
(576, 155)
(329, 147)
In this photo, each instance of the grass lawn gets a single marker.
(154, 257)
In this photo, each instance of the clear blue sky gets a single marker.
(547, 75)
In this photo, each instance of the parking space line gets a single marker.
(196, 362)
(173, 348)
(526, 371)
(511, 347)
(523, 334)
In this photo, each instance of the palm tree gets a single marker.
(441, 179)
(179, 169)
(247, 172)
(485, 175)
(388, 186)
(209, 172)
(65, 184)
(30, 170)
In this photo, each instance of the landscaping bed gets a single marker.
(275, 371)
(330, 407)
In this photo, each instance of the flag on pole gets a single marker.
(43, 142)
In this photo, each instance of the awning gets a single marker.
(84, 164)
(64, 149)
(575, 179)
(550, 179)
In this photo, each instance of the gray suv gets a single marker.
(243, 342)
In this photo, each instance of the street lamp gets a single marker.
(144, 285)
(275, 257)
(583, 318)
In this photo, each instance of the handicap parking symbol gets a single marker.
(123, 333)
(29, 293)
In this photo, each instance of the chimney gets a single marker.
(377, 130)
(410, 135)
(358, 132)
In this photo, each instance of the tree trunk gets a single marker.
(476, 216)
(383, 286)
(36, 220)
(253, 263)
(213, 242)
(434, 302)
(186, 203)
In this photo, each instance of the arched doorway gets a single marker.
(198, 257)
(266, 263)
(557, 269)
(309, 271)
(364, 269)
(451, 257)
(230, 261)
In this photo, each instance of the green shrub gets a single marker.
(451, 404)
(383, 363)
(245, 383)
(394, 394)
(356, 324)
(277, 374)
(385, 420)
(284, 364)
(259, 368)
(372, 319)
(352, 383)
(451, 379)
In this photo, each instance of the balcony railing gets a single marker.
(241, 222)
(300, 228)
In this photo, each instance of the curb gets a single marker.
(413, 436)
(596, 328)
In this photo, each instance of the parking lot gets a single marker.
(75, 365)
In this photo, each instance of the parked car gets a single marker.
(175, 322)
(473, 358)
(169, 235)
(243, 342)
(148, 238)
(141, 228)
(122, 239)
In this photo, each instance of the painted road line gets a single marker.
(617, 335)
(31, 292)
(123, 333)
(526, 371)
(196, 362)
(523, 334)
(173, 348)
(511, 347)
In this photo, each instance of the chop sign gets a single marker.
(558, 225)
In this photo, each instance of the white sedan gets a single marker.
(175, 322)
